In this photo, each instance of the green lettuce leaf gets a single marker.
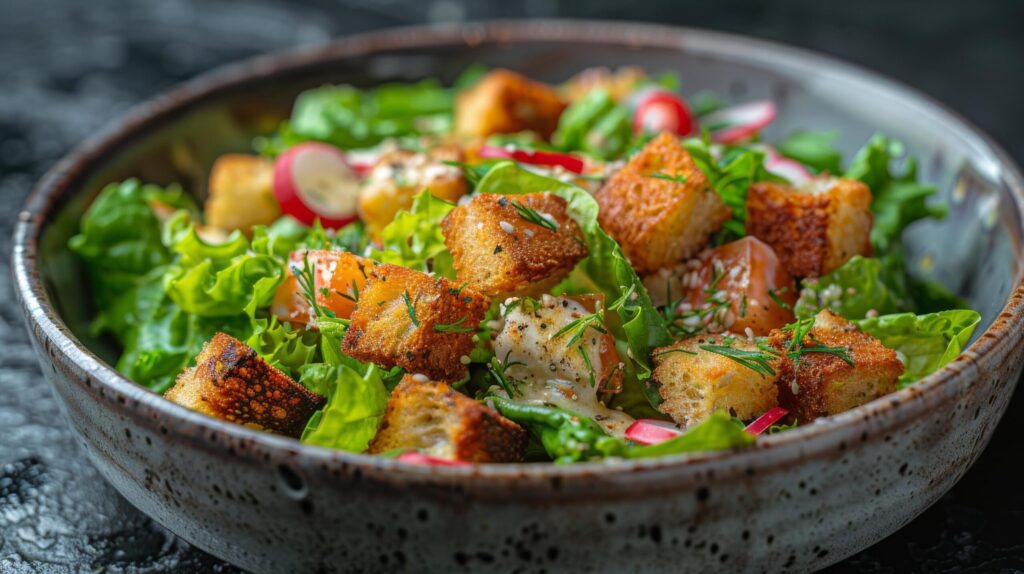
(606, 269)
(351, 118)
(814, 150)
(119, 240)
(355, 405)
(925, 342)
(717, 432)
(898, 198)
(414, 238)
(852, 290)
(222, 279)
(285, 347)
(595, 125)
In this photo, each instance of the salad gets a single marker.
(507, 271)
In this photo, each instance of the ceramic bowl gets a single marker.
(796, 502)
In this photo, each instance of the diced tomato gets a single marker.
(610, 377)
(338, 277)
(747, 273)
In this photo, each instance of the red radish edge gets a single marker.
(683, 117)
(651, 431)
(286, 192)
(534, 157)
(766, 420)
(413, 457)
(790, 169)
(742, 121)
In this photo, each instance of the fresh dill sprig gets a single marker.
(306, 277)
(796, 348)
(590, 365)
(579, 326)
(532, 216)
(409, 308)
(679, 178)
(455, 327)
(778, 300)
(497, 370)
(757, 361)
(670, 351)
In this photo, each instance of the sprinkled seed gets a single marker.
(506, 227)
(420, 378)
(464, 359)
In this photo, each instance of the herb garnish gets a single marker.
(409, 308)
(532, 216)
(778, 300)
(670, 351)
(796, 348)
(307, 282)
(579, 326)
(680, 178)
(497, 370)
(758, 361)
(455, 327)
(590, 365)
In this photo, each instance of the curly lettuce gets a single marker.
(414, 238)
(925, 343)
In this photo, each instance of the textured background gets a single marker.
(68, 66)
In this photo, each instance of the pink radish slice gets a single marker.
(741, 122)
(651, 431)
(413, 457)
(766, 420)
(313, 180)
(792, 170)
(660, 111)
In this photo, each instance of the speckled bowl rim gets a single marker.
(810, 441)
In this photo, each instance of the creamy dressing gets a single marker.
(547, 369)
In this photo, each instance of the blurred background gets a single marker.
(67, 67)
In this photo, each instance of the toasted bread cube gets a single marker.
(659, 221)
(820, 384)
(399, 176)
(500, 252)
(814, 228)
(439, 421)
(410, 319)
(695, 382)
(240, 193)
(231, 382)
(504, 102)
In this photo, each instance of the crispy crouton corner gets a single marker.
(231, 382)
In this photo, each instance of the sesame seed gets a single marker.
(506, 226)
(464, 359)
(749, 333)
(420, 378)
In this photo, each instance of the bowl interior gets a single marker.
(975, 251)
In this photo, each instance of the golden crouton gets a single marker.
(241, 193)
(231, 382)
(506, 102)
(499, 246)
(817, 384)
(695, 381)
(620, 84)
(421, 323)
(439, 421)
(399, 176)
(660, 207)
(814, 228)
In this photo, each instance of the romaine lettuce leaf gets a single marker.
(606, 267)
(925, 342)
(595, 125)
(852, 290)
(355, 405)
(414, 238)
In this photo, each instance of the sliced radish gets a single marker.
(413, 457)
(790, 169)
(661, 111)
(652, 431)
(766, 420)
(740, 122)
(534, 157)
(313, 180)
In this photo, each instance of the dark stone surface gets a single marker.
(67, 67)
